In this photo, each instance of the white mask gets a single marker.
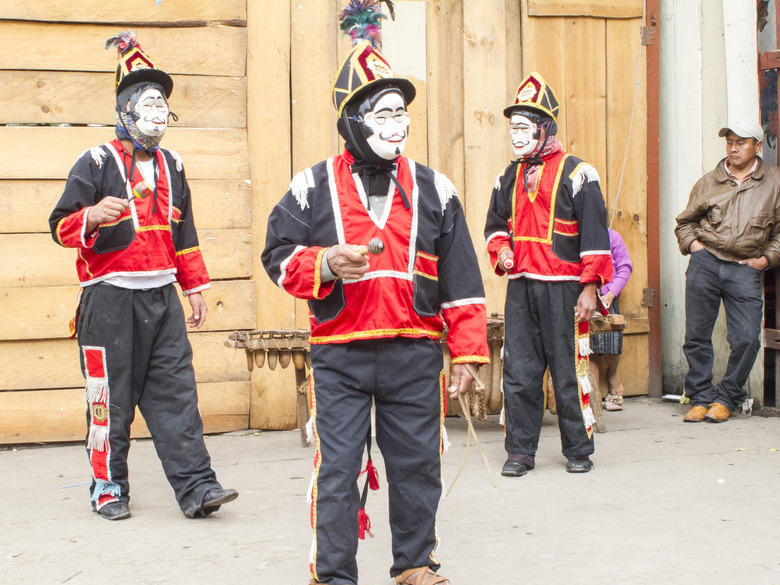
(152, 111)
(389, 122)
(521, 133)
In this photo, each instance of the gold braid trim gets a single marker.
(318, 274)
(187, 250)
(582, 367)
(376, 334)
(471, 359)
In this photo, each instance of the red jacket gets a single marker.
(426, 277)
(165, 240)
(559, 231)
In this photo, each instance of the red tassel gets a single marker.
(373, 475)
(364, 524)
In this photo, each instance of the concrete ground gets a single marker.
(668, 503)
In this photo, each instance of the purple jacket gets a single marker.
(621, 265)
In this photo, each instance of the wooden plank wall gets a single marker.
(253, 85)
(475, 53)
(54, 104)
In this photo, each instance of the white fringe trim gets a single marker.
(310, 431)
(97, 154)
(586, 174)
(445, 440)
(96, 390)
(300, 185)
(585, 384)
(501, 417)
(310, 491)
(584, 345)
(178, 159)
(588, 418)
(444, 188)
(497, 184)
(98, 438)
(313, 550)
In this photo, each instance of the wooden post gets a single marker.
(655, 378)
(273, 404)
(485, 129)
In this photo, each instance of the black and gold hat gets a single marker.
(364, 70)
(135, 65)
(534, 93)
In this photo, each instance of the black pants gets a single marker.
(539, 332)
(402, 376)
(134, 352)
(708, 281)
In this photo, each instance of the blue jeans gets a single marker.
(708, 281)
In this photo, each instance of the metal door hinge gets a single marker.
(648, 34)
(648, 298)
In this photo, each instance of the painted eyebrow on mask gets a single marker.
(387, 109)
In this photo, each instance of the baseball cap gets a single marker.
(744, 129)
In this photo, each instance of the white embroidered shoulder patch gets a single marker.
(300, 186)
(97, 154)
(444, 188)
(585, 173)
(178, 159)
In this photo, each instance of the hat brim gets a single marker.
(404, 85)
(510, 109)
(152, 75)
(725, 131)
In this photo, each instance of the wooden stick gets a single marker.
(375, 246)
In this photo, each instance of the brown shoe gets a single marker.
(695, 414)
(421, 576)
(718, 413)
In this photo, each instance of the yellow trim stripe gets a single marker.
(577, 170)
(113, 223)
(376, 334)
(59, 225)
(427, 256)
(429, 276)
(555, 196)
(188, 250)
(318, 274)
(86, 265)
(518, 180)
(316, 472)
(154, 228)
(471, 359)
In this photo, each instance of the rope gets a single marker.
(631, 121)
(465, 407)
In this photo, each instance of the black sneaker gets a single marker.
(115, 510)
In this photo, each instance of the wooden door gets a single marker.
(591, 53)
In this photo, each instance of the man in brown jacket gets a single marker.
(731, 229)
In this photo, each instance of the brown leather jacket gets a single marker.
(734, 222)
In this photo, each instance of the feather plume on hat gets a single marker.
(123, 42)
(135, 65)
(362, 20)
